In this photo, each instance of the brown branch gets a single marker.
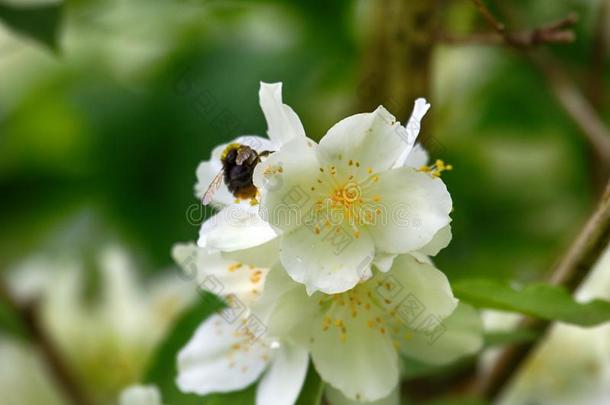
(595, 236)
(567, 93)
(59, 371)
(595, 86)
(570, 272)
(557, 32)
(478, 38)
(490, 18)
(599, 53)
(586, 249)
(576, 105)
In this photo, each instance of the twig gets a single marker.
(58, 369)
(594, 237)
(558, 31)
(555, 33)
(570, 272)
(578, 108)
(595, 85)
(566, 92)
(489, 17)
(525, 38)
(599, 53)
(478, 38)
(586, 249)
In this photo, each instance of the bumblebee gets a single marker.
(238, 163)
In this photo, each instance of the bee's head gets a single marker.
(230, 147)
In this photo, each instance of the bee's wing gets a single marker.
(212, 188)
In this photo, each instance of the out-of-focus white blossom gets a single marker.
(23, 377)
(140, 395)
(106, 338)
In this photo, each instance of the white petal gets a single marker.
(277, 283)
(285, 179)
(294, 312)
(424, 289)
(330, 261)
(363, 364)
(219, 275)
(383, 261)
(374, 139)
(283, 123)
(461, 334)
(335, 397)
(415, 206)
(417, 158)
(235, 227)
(265, 255)
(439, 242)
(140, 395)
(412, 127)
(219, 358)
(284, 378)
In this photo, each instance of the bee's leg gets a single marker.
(264, 153)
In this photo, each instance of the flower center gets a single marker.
(348, 194)
(370, 304)
(343, 197)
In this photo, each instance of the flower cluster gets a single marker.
(329, 263)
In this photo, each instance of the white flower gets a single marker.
(231, 350)
(365, 166)
(352, 198)
(355, 337)
(140, 395)
(237, 225)
(335, 397)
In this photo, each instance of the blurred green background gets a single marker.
(106, 132)
(140, 92)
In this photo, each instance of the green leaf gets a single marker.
(538, 300)
(413, 369)
(39, 22)
(510, 337)
(162, 370)
(313, 388)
